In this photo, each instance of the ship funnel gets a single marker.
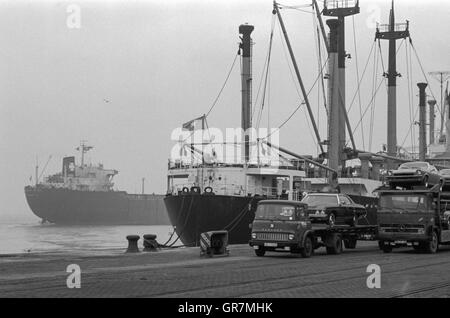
(246, 76)
(422, 121)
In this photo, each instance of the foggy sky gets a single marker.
(162, 63)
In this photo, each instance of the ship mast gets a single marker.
(83, 148)
(392, 32)
(245, 48)
(341, 9)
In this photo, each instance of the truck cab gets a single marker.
(281, 225)
(413, 217)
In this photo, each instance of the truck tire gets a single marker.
(350, 243)
(386, 248)
(334, 245)
(380, 245)
(431, 246)
(260, 252)
(308, 248)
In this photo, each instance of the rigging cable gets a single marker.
(372, 111)
(265, 64)
(218, 95)
(424, 74)
(357, 76)
(298, 107)
(267, 71)
(411, 118)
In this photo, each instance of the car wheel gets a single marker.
(260, 252)
(332, 219)
(308, 248)
(431, 246)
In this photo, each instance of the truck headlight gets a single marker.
(291, 236)
(419, 172)
(389, 173)
(253, 235)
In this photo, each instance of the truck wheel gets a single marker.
(335, 246)
(260, 252)
(387, 248)
(308, 248)
(380, 245)
(431, 246)
(350, 243)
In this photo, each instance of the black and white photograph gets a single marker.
(225, 155)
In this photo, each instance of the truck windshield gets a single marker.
(314, 200)
(275, 212)
(410, 203)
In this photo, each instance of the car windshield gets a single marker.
(414, 165)
(410, 203)
(314, 200)
(275, 212)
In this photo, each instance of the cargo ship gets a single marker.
(84, 195)
(206, 192)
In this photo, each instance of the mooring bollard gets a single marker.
(150, 243)
(132, 244)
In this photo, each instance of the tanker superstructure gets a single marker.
(84, 194)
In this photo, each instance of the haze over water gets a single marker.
(29, 236)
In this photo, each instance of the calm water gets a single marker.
(34, 237)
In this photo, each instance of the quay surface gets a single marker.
(182, 273)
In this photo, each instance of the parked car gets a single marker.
(413, 174)
(333, 209)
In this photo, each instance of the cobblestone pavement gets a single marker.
(182, 273)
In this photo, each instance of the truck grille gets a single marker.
(272, 236)
(401, 228)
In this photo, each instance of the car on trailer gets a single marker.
(417, 173)
(333, 209)
(281, 225)
(417, 218)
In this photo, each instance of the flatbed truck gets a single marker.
(282, 225)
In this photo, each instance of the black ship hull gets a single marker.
(193, 214)
(71, 207)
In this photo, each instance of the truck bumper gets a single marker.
(387, 237)
(272, 246)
